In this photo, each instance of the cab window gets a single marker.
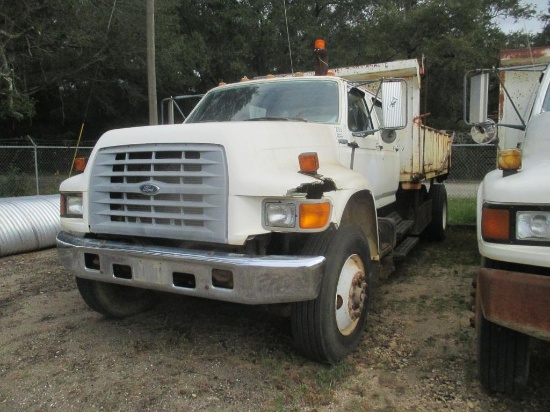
(358, 114)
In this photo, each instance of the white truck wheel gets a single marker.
(328, 328)
(115, 301)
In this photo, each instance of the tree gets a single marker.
(65, 60)
(543, 38)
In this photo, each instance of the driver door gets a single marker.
(372, 157)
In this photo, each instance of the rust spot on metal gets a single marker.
(501, 96)
(518, 301)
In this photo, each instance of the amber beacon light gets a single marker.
(309, 162)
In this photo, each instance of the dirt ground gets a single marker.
(418, 352)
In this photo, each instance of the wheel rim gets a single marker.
(350, 294)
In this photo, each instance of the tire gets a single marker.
(502, 357)
(437, 229)
(329, 328)
(115, 301)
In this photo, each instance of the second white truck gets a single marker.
(286, 190)
(513, 217)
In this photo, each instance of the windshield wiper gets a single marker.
(267, 118)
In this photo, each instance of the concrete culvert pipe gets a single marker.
(28, 223)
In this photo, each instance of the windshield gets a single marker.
(311, 101)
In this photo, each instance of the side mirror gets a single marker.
(394, 104)
(479, 98)
(483, 129)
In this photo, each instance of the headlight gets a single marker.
(280, 214)
(533, 226)
(71, 205)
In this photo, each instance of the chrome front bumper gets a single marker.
(256, 279)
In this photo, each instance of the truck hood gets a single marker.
(531, 185)
(262, 156)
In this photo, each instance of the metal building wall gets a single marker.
(28, 223)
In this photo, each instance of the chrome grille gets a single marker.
(191, 201)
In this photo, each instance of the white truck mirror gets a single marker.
(479, 92)
(484, 129)
(394, 104)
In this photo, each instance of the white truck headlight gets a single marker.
(279, 214)
(71, 205)
(533, 226)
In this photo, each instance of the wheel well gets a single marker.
(360, 211)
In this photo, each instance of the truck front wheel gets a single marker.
(502, 357)
(115, 301)
(328, 328)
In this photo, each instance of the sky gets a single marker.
(532, 25)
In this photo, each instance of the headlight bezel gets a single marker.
(513, 214)
(72, 205)
(295, 206)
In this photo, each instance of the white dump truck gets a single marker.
(513, 216)
(286, 190)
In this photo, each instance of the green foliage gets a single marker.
(14, 183)
(61, 60)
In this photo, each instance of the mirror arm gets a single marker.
(514, 126)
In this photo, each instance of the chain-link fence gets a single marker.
(28, 167)
(470, 163)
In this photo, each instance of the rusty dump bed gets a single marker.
(425, 152)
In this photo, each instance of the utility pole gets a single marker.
(151, 71)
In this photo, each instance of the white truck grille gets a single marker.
(171, 191)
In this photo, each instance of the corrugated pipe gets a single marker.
(28, 223)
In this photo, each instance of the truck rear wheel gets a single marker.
(115, 301)
(328, 328)
(437, 228)
(502, 357)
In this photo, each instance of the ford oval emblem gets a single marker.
(149, 189)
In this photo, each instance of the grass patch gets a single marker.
(462, 210)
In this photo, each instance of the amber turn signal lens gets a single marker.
(80, 164)
(309, 162)
(495, 224)
(314, 215)
(509, 159)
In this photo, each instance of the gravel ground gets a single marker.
(417, 353)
